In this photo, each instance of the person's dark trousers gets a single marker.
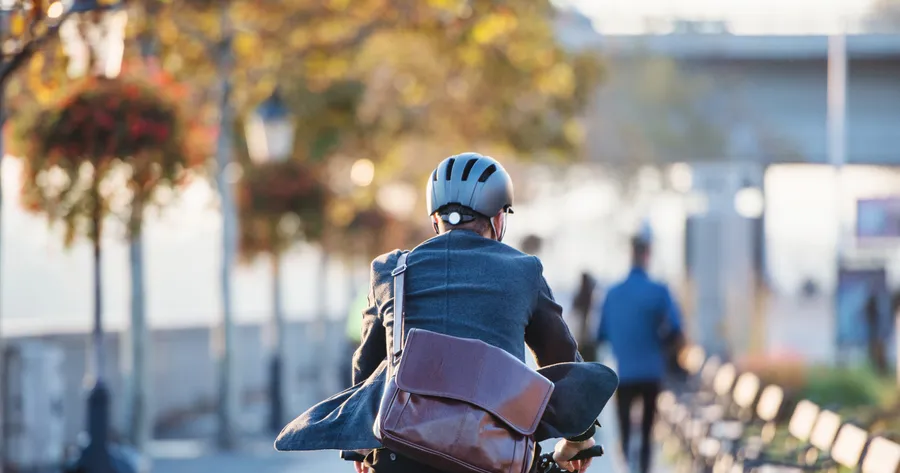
(627, 393)
(383, 460)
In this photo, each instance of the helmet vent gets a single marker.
(487, 173)
(450, 168)
(434, 176)
(469, 165)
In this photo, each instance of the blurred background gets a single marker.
(192, 191)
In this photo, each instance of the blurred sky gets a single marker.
(742, 16)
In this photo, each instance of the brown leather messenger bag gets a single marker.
(457, 404)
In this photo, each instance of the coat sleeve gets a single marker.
(372, 348)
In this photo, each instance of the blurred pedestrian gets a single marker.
(581, 306)
(532, 244)
(877, 352)
(640, 319)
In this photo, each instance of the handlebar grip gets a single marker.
(595, 451)
(352, 456)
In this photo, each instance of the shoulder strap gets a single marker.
(399, 307)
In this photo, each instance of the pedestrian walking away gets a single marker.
(640, 320)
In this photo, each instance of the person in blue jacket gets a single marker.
(638, 317)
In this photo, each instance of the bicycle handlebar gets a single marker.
(593, 452)
(352, 456)
(544, 464)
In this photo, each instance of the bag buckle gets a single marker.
(398, 270)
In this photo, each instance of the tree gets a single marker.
(457, 72)
(102, 132)
(884, 16)
(103, 150)
(369, 77)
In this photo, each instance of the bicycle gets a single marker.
(544, 463)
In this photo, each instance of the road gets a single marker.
(255, 456)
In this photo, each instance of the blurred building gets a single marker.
(749, 113)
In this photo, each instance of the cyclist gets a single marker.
(464, 282)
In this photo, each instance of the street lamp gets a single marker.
(397, 199)
(92, 33)
(270, 139)
(270, 131)
(749, 202)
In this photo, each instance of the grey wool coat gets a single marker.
(461, 284)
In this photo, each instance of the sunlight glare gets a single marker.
(55, 10)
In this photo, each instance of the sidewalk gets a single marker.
(257, 456)
(608, 436)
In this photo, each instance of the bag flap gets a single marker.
(474, 372)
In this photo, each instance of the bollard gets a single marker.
(99, 455)
(113, 459)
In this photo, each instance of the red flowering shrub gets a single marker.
(102, 148)
(108, 119)
(272, 193)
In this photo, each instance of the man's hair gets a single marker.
(640, 248)
(480, 224)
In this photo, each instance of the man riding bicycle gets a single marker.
(464, 282)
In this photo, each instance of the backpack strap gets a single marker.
(399, 308)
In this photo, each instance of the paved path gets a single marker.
(256, 456)
(614, 461)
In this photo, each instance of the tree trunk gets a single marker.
(223, 342)
(276, 355)
(137, 369)
(98, 400)
(99, 349)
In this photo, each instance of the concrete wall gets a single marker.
(183, 384)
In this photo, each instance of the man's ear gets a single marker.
(434, 224)
(498, 224)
